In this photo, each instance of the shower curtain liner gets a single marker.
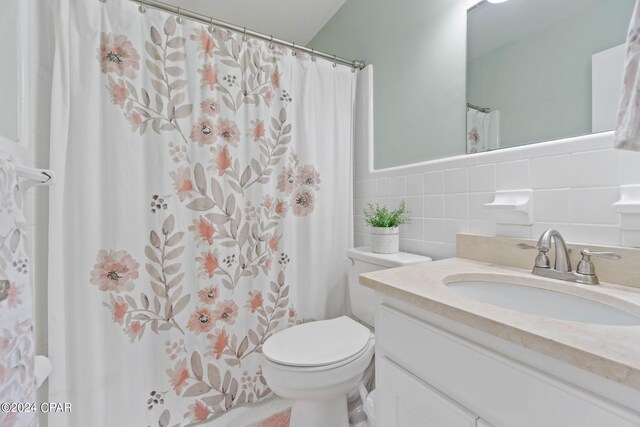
(203, 204)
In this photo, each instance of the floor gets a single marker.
(273, 412)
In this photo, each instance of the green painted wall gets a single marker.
(542, 83)
(418, 49)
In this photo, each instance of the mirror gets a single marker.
(541, 70)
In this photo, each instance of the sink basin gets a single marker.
(544, 302)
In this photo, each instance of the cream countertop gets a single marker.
(609, 351)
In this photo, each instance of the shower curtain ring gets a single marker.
(244, 34)
(141, 8)
(211, 29)
(334, 62)
(313, 55)
(271, 46)
(293, 50)
(179, 19)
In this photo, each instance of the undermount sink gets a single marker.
(544, 302)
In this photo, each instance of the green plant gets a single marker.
(377, 216)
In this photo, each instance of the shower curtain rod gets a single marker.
(481, 109)
(198, 17)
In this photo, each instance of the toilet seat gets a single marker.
(322, 344)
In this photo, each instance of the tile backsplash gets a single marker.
(575, 183)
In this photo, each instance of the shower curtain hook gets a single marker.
(244, 34)
(211, 29)
(313, 55)
(271, 46)
(293, 50)
(179, 19)
(141, 8)
(334, 61)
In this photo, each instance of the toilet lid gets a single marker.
(320, 343)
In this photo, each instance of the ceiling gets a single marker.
(296, 21)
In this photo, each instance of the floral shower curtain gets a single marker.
(17, 388)
(203, 204)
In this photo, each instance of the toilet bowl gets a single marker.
(317, 364)
(318, 383)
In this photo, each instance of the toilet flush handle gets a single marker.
(349, 259)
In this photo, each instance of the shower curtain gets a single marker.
(203, 204)
(16, 307)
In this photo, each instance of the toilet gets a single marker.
(317, 364)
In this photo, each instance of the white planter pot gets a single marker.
(385, 240)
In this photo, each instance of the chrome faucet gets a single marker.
(585, 272)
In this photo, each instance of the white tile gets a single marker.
(456, 206)
(434, 206)
(415, 206)
(394, 202)
(359, 240)
(384, 187)
(365, 189)
(415, 185)
(594, 206)
(453, 227)
(434, 230)
(482, 178)
(437, 250)
(456, 180)
(414, 230)
(630, 239)
(629, 167)
(552, 205)
(484, 228)
(595, 168)
(538, 228)
(358, 224)
(551, 172)
(607, 235)
(434, 182)
(510, 230)
(514, 175)
(397, 186)
(476, 206)
(413, 246)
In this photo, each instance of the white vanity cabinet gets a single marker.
(409, 402)
(430, 376)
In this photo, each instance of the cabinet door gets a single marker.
(402, 400)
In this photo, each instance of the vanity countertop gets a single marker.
(612, 352)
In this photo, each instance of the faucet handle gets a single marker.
(542, 260)
(588, 253)
(526, 246)
(585, 266)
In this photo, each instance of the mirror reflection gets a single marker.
(541, 70)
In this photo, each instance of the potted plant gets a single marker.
(385, 234)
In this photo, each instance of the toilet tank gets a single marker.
(364, 300)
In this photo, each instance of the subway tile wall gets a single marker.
(575, 183)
